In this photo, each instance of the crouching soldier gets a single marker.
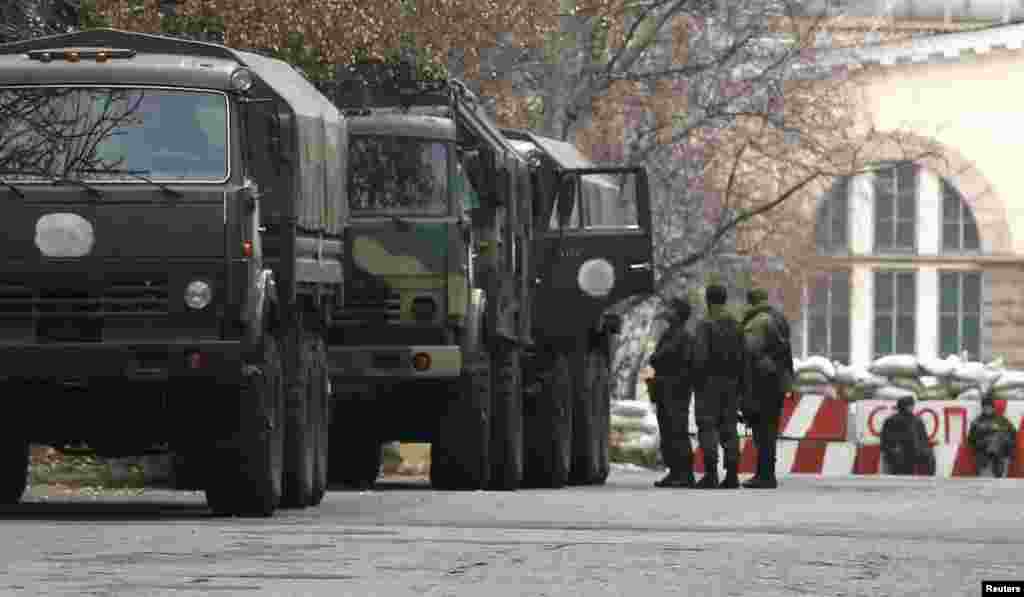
(671, 391)
(905, 444)
(993, 439)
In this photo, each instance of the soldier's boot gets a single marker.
(732, 479)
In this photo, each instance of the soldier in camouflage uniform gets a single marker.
(718, 363)
(671, 391)
(993, 439)
(769, 376)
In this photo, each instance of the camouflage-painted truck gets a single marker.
(171, 241)
(479, 263)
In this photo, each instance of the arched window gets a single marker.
(832, 223)
(959, 229)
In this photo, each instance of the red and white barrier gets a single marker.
(806, 417)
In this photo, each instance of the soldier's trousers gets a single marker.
(715, 409)
(764, 423)
(672, 396)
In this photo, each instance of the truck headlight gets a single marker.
(198, 294)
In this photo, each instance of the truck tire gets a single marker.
(548, 430)
(187, 471)
(591, 420)
(300, 436)
(14, 469)
(459, 455)
(320, 398)
(356, 451)
(250, 460)
(506, 449)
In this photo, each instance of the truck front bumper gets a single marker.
(395, 362)
(72, 361)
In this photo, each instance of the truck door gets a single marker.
(595, 249)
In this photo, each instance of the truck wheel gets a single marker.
(187, 471)
(506, 449)
(548, 436)
(591, 411)
(459, 453)
(300, 437)
(14, 462)
(320, 398)
(247, 477)
(355, 452)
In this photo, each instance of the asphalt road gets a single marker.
(870, 536)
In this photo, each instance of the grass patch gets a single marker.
(85, 471)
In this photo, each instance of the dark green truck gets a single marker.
(171, 246)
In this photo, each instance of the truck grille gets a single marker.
(370, 306)
(117, 297)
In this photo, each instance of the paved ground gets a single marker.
(814, 536)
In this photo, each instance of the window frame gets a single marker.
(964, 218)
(829, 313)
(894, 313)
(960, 312)
(896, 220)
(825, 218)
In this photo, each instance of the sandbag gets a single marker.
(892, 393)
(1008, 380)
(974, 372)
(871, 381)
(939, 392)
(847, 375)
(819, 364)
(893, 365)
(640, 441)
(937, 367)
(630, 408)
(1016, 393)
(972, 394)
(811, 377)
(910, 383)
(633, 424)
(929, 381)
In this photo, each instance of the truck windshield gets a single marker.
(392, 175)
(102, 133)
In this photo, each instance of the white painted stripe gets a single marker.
(803, 416)
(839, 457)
(1015, 412)
(945, 458)
(785, 455)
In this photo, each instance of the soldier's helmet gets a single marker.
(905, 403)
(988, 401)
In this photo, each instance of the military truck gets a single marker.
(476, 279)
(172, 235)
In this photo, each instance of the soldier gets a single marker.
(993, 439)
(769, 375)
(672, 389)
(719, 363)
(905, 442)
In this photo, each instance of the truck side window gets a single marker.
(610, 200)
(566, 213)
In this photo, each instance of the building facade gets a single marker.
(928, 258)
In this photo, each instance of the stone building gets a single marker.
(928, 258)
